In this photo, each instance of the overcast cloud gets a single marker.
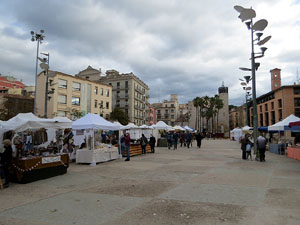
(177, 47)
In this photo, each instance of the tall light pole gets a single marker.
(38, 37)
(247, 15)
(247, 89)
(46, 91)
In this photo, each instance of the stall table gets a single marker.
(27, 170)
(96, 155)
(293, 152)
(277, 148)
(136, 149)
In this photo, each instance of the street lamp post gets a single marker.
(38, 37)
(247, 15)
(46, 91)
(247, 89)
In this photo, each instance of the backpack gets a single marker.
(248, 148)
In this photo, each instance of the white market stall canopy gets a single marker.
(24, 121)
(93, 121)
(118, 124)
(236, 133)
(129, 126)
(247, 128)
(179, 128)
(283, 125)
(161, 125)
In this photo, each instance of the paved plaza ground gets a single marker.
(211, 185)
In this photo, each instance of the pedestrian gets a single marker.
(248, 150)
(199, 138)
(127, 146)
(122, 145)
(103, 136)
(6, 159)
(143, 142)
(169, 139)
(152, 142)
(182, 139)
(261, 144)
(175, 140)
(188, 138)
(244, 143)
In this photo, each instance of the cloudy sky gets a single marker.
(177, 47)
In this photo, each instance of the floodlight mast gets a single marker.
(248, 15)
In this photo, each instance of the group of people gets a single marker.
(247, 145)
(185, 139)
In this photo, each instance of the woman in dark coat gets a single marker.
(6, 158)
(199, 138)
(152, 142)
(244, 142)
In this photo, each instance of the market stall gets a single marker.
(40, 161)
(293, 151)
(93, 151)
(279, 144)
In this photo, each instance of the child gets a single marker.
(248, 151)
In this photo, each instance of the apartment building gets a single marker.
(152, 115)
(167, 111)
(129, 94)
(238, 117)
(71, 94)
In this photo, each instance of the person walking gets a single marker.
(127, 146)
(182, 139)
(175, 140)
(143, 142)
(261, 145)
(248, 150)
(188, 138)
(152, 142)
(122, 145)
(199, 138)
(169, 139)
(244, 142)
(5, 160)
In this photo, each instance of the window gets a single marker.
(172, 110)
(126, 84)
(260, 108)
(126, 93)
(272, 105)
(62, 83)
(297, 102)
(118, 94)
(167, 111)
(61, 113)
(76, 86)
(297, 112)
(75, 101)
(279, 103)
(107, 93)
(96, 103)
(276, 85)
(96, 90)
(158, 111)
(166, 106)
(107, 105)
(172, 116)
(296, 90)
(62, 99)
(102, 91)
(118, 84)
(266, 107)
(275, 75)
(172, 105)
(280, 114)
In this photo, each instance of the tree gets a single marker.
(119, 115)
(196, 105)
(76, 114)
(219, 105)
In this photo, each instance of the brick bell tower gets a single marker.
(275, 79)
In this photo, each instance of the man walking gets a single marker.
(188, 139)
(175, 140)
(127, 146)
(261, 144)
(152, 142)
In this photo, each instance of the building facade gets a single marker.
(129, 94)
(70, 96)
(237, 117)
(10, 83)
(167, 111)
(152, 115)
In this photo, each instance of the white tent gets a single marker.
(283, 125)
(129, 126)
(188, 128)
(236, 133)
(93, 121)
(120, 125)
(179, 128)
(24, 121)
(161, 125)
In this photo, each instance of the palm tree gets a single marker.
(219, 105)
(206, 106)
(201, 104)
(196, 105)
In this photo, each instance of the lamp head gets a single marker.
(32, 32)
(259, 34)
(32, 39)
(42, 31)
(248, 24)
(247, 78)
(256, 65)
(263, 49)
